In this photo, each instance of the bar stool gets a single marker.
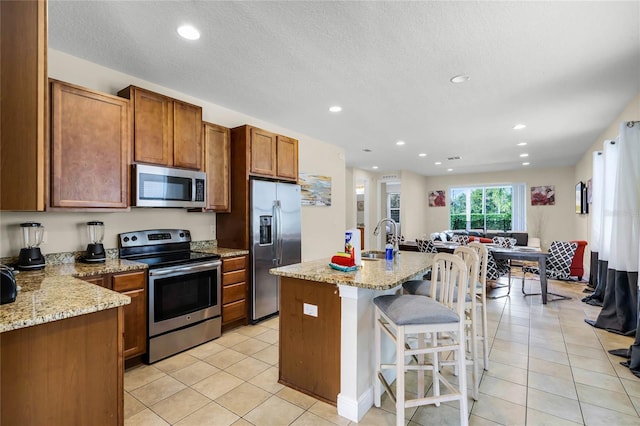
(481, 295)
(471, 319)
(399, 316)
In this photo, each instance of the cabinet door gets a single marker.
(135, 326)
(135, 314)
(90, 139)
(287, 158)
(24, 87)
(216, 165)
(187, 135)
(262, 152)
(152, 131)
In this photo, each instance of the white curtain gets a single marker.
(597, 188)
(625, 224)
(611, 154)
(620, 232)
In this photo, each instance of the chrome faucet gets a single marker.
(396, 238)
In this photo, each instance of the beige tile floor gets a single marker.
(546, 367)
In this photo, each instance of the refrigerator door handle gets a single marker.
(279, 241)
(274, 234)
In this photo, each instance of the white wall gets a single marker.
(413, 204)
(322, 227)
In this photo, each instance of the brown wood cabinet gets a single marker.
(310, 345)
(66, 372)
(23, 105)
(134, 285)
(217, 158)
(90, 140)
(234, 291)
(270, 155)
(259, 153)
(166, 131)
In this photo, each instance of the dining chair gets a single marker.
(426, 246)
(558, 265)
(481, 295)
(400, 316)
(425, 288)
(460, 239)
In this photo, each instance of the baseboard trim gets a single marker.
(354, 410)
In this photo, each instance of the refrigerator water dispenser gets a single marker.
(265, 230)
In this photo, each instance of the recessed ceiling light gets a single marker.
(335, 108)
(526, 163)
(462, 78)
(375, 167)
(437, 163)
(449, 170)
(524, 155)
(189, 32)
(519, 126)
(522, 144)
(400, 143)
(422, 154)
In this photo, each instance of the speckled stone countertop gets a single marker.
(374, 274)
(223, 252)
(56, 292)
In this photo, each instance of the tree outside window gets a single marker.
(481, 208)
(393, 203)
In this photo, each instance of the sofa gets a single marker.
(522, 238)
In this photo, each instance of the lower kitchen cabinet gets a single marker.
(234, 291)
(134, 285)
(310, 341)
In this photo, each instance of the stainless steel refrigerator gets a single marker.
(275, 241)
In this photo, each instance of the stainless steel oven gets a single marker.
(184, 290)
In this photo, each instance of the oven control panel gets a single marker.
(153, 237)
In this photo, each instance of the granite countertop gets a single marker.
(57, 292)
(223, 252)
(373, 274)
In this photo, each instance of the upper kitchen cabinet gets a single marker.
(270, 155)
(90, 142)
(287, 154)
(166, 131)
(23, 109)
(217, 154)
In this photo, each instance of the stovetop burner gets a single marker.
(160, 248)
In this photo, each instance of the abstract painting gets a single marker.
(437, 199)
(543, 195)
(316, 189)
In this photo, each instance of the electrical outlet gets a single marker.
(212, 229)
(311, 310)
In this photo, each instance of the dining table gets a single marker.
(530, 254)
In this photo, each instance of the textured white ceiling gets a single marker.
(566, 69)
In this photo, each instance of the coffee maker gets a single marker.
(30, 257)
(95, 249)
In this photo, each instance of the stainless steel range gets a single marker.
(184, 296)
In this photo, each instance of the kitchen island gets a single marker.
(61, 346)
(327, 326)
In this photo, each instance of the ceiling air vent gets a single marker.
(454, 158)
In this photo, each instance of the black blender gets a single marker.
(30, 257)
(95, 249)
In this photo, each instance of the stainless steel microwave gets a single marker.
(154, 186)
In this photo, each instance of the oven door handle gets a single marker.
(196, 268)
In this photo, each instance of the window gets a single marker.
(393, 206)
(495, 207)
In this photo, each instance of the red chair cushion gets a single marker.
(481, 240)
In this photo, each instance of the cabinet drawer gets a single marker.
(233, 292)
(234, 311)
(234, 263)
(131, 281)
(234, 277)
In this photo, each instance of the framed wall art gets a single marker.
(315, 189)
(437, 199)
(543, 195)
